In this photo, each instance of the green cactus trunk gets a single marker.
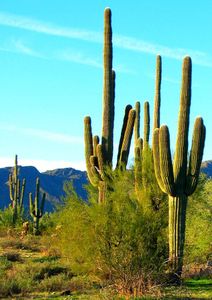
(108, 91)
(36, 226)
(16, 192)
(179, 179)
(36, 208)
(99, 156)
(177, 224)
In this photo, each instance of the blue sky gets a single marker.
(51, 71)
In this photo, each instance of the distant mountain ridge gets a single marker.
(207, 168)
(51, 182)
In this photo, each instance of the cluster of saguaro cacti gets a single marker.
(141, 146)
(16, 191)
(179, 179)
(36, 207)
(99, 155)
(144, 171)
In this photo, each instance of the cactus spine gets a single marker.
(16, 191)
(99, 156)
(180, 179)
(36, 208)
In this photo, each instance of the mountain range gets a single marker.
(52, 182)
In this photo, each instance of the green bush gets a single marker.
(199, 219)
(6, 219)
(117, 242)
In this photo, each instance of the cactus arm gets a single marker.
(108, 95)
(37, 197)
(16, 168)
(18, 190)
(124, 125)
(166, 161)
(100, 158)
(157, 101)
(22, 194)
(42, 205)
(125, 149)
(95, 143)
(156, 158)
(180, 159)
(146, 124)
(95, 170)
(11, 188)
(31, 205)
(196, 154)
(88, 140)
(137, 122)
(138, 165)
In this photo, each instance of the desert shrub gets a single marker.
(6, 219)
(12, 256)
(199, 231)
(117, 242)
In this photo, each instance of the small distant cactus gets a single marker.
(16, 191)
(180, 179)
(36, 208)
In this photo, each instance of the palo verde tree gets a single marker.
(16, 189)
(180, 179)
(99, 155)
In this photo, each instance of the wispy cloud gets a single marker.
(68, 55)
(121, 41)
(21, 22)
(133, 44)
(18, 46)
(78, 57)
(43, 134)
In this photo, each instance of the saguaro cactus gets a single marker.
(36, 208)
(16, 189)
(141, 146)
(142, 150)
(99, 155)
(180, 179)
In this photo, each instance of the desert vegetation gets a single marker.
(144, 230)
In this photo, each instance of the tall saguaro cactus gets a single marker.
(99, 155)
(180, 179)
(142, 150)
(141, 146)
(36, 208)
(16, 189)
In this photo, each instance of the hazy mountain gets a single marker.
(50, 181)
(207, 168)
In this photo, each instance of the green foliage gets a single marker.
(7, 218)
(117, 241)
(199, 219)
